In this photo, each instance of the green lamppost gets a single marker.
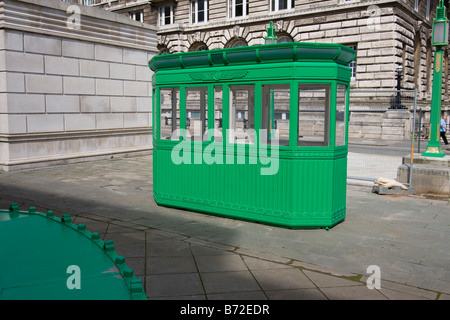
(440, 40)
(271, 37)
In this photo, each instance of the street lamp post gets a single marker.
(440, 40)
(398, 100)
(399, 80)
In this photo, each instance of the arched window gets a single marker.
(198, 46)
(236, 42)
(284, 37)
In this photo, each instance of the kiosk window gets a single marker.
(275, 113)
(313, 115)
(218, 109)
(242, 114)
(197, 112)
(341, 113)
(169, 113)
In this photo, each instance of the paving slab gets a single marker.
(282, 279)
(296, 294)
(186, 255)
(229, 282)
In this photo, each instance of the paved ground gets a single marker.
(186, 255)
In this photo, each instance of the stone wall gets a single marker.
(74, 84)
(391, 125)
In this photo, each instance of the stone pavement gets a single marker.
(186, 255)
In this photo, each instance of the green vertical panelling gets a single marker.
(305, 192)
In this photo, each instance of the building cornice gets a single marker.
(127, 5)
(289, 14)
(74, 21)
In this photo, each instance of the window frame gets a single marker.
(353, 64)
(132, 15)
(232, 9)
(328, 86)
(177, 107)
(203, 109)
(274, 5)
(275, 85)
(221, 120)
(195, 12)
(231, 123)
(346, 114)
(162, 15)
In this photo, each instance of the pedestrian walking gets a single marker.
(444, 129)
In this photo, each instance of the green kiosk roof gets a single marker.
(259, 54)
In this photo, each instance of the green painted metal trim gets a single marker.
(284, 220)
(259, 54)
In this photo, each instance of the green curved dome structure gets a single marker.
(43, 257)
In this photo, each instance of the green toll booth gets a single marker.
(254, 133)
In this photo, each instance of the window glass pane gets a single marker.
(218, 100)
(167, 15)
(170, 113)
(201, 5)
(284, 39)
(137, 15)
(352, 64)
(275, 113)
(283, 4)
(201, 16)
(196, 112)
(313, 116)
(242, 114)
(239, 8)
(201, 11)
(341, 106)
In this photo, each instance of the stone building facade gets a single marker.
(74, 84)
(384, 33)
